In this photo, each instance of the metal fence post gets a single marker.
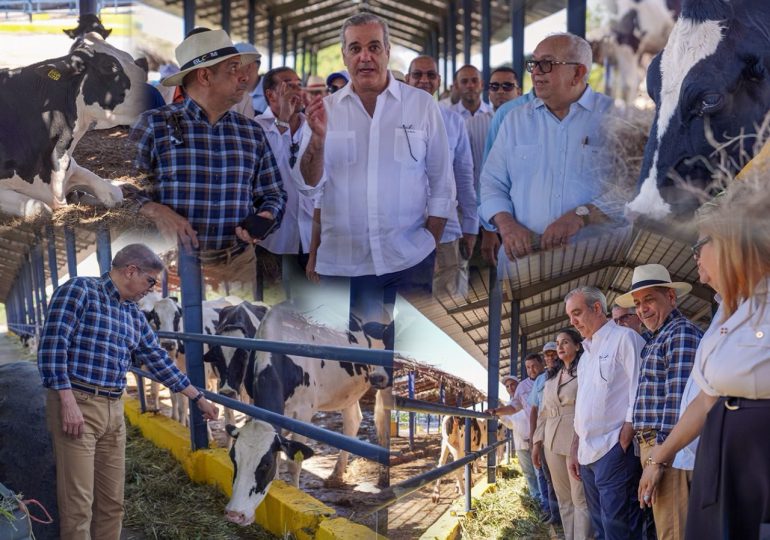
(103, 250)
(493, 364)
(410, 382)
(53, 269)
(72, 255)
(468, 466)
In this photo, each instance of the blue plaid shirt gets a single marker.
(667, 360)
(217, 174)
(89, 335)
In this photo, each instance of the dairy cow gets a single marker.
(46, 108)
(298, 387)
(711, 87)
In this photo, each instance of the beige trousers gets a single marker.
(572, 500)
(670, 508)
(90, 471)
(450, 276)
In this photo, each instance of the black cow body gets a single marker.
(711, 87)
(46, 108)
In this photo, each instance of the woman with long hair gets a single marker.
(730, 494)
(555, 431)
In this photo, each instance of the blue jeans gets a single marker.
(525, 461)
(548, 501)
(611, 485)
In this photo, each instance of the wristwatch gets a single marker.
(197, 398)
(583, 212)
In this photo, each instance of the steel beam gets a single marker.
(52, 264)
(467, 31)
(188, 15)
(518, 10)
(270, 37)
(493, 363)
(226, 15)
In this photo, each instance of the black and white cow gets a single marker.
(711, 87)
(46, 108)
(298, 387)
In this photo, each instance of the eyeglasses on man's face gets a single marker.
(546, 66)
(151, 281)
(697, 246)
(505, 86)
(624, 318)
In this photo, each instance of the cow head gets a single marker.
(112, 92)
(711, 87)
(254, 454)
(167, 317)
(361, 333)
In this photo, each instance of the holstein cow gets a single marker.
(453, 442)
(711, 87)
(46, 108)
(297, 387)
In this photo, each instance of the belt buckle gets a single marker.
(729, 406)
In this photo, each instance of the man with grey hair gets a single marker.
(377, 152)
(603, 454)
(554, 142)
(92, 329)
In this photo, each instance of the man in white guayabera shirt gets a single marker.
(378, 151)
(603, 446)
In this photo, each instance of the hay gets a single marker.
(161, 502)
(508, 513)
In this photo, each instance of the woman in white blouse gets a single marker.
(730, 493)
(555, 429)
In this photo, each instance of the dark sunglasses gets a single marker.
(545, 66)
(506, 86)
(293, 149)
(697, 246)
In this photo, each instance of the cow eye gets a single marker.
(710, 104)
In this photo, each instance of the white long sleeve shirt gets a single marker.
(462, 169)
(383, 175)
(609, 374)
(297, 221)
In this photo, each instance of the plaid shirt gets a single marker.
(89, 334)
(212, 175)
(667, 360)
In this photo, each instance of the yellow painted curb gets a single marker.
(285, 509)
(447, 527)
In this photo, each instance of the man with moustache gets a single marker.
(378, 151)
(554, 142)
(208, 168)
(626, 316)
(459, 238)
(667, 360)
(92, 329)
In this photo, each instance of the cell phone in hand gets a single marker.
(258, 227)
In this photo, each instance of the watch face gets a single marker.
(582, 211)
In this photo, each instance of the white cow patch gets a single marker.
(253, 441)
(689, 43)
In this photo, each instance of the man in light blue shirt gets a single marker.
(547, 168)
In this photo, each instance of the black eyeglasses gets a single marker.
(417, 75)
(293, 149)
(151, 281)
(506, 86)
(545, 66)
(697, 246)
(623, 318)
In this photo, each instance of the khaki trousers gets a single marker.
(670, 508)
(90, 471)
(573, 507)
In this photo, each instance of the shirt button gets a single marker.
(760, 334)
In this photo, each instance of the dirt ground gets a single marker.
(408, 518)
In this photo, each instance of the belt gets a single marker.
(646, 435)
(95, 390)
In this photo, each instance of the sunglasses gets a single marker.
(545, 66)
(506, 86)
(293, 149)
(697, 246)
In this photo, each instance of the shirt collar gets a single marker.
(599, 335)
(269, 115)
(197, 111)
(393, 88)
(109, 286)
(675, 314)
(586, 101)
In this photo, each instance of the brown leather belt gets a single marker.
(646, 435)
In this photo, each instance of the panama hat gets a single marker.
(550, 346)
(314, 82)
(205, 49)
(509, 378)
(651, 275)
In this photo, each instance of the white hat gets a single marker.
(651, 275)
(550, 346)
(314, 82)
(205, 49)
(509, 378)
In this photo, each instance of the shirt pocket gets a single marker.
(595, 161)
(340, 149)
(524, 161)
(410, 146)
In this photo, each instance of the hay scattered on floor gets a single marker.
(507, 514)
(162, 502)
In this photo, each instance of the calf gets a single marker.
(453, 442)
(298, 387)
(711, 87)
(46, 108)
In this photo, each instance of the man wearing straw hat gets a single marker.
(667, 360)
(208, 168)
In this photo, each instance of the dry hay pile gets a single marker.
(162, 502)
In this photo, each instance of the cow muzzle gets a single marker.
(239, 518)
(379, 380)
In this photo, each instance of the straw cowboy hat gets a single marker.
(205, 49)
(651, 275)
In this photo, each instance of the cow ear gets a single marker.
(63, 68)
(232, 431)
(294, 450)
